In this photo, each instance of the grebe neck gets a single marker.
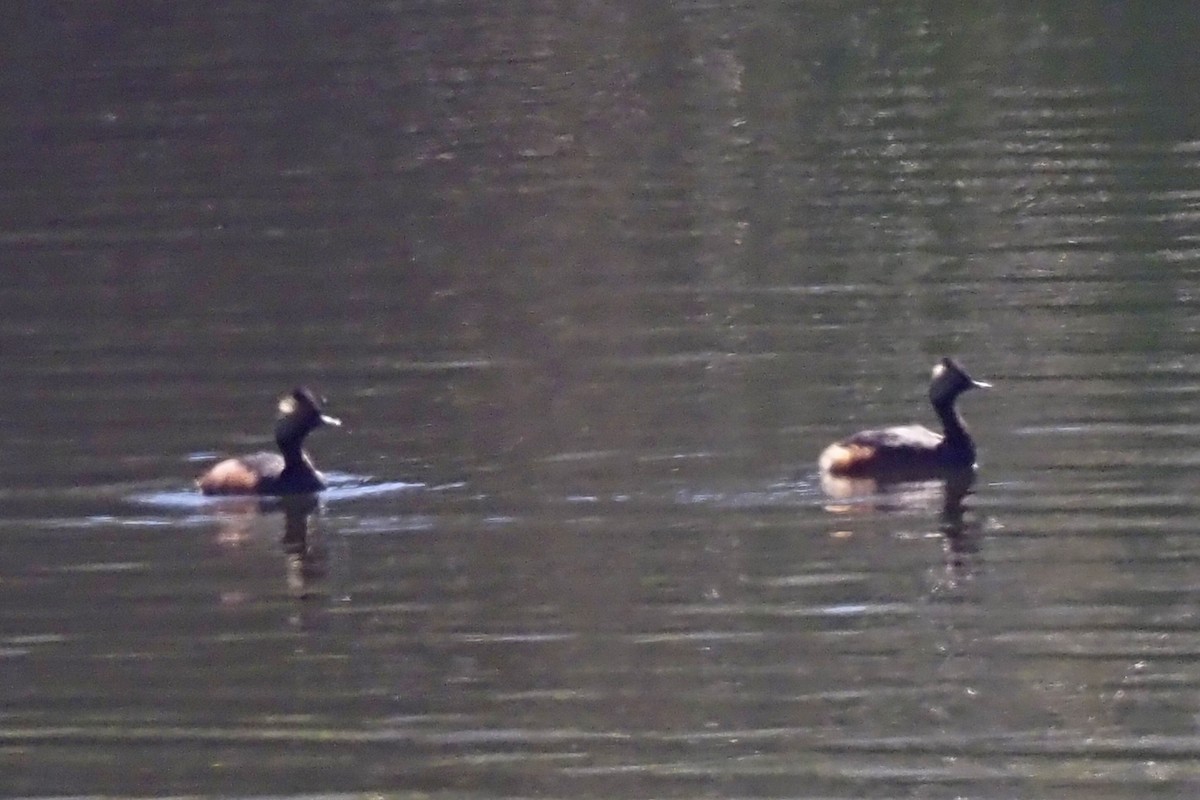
(956, 436)
(293, 454)
(289, 436)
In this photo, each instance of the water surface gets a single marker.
(591, 286)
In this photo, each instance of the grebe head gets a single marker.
(949, 380)
(300, 412)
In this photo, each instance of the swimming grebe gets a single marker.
(912, 451)
(272, 473)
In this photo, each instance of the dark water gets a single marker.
(591, 285)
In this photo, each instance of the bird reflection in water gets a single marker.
(947, 493)
(305, 556)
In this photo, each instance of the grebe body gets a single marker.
(911, 451)
(290, 471)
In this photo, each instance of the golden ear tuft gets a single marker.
(287, 404)
(939, 370)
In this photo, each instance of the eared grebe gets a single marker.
(912, 451)
(272, 473)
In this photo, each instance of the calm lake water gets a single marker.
(591, 285)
